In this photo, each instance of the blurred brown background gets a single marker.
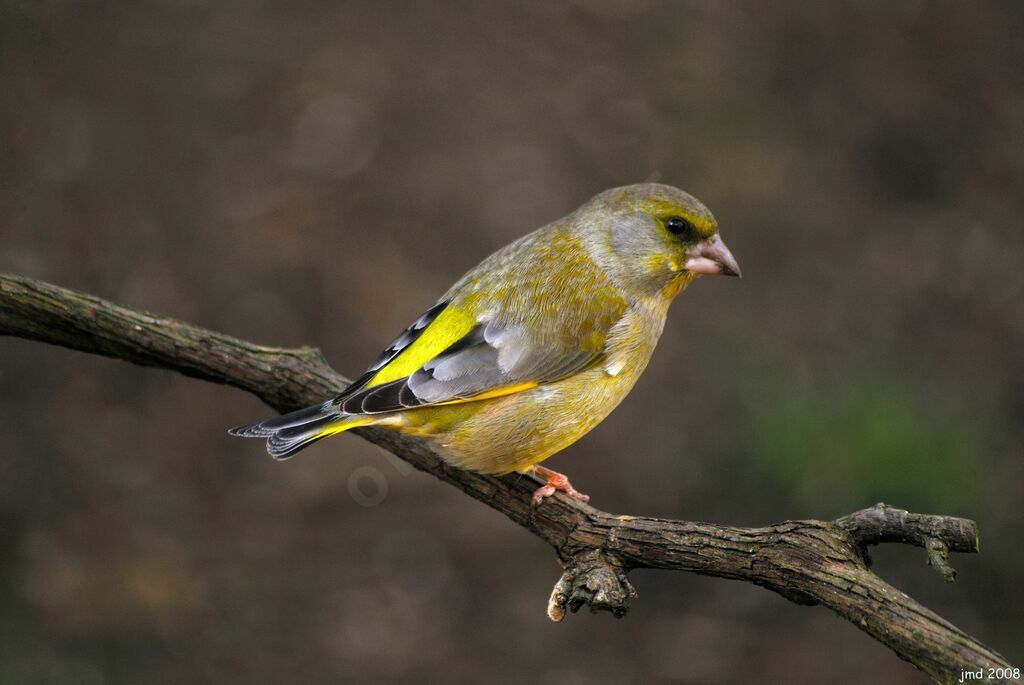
(318, 172)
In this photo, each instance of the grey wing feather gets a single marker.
(486, 358)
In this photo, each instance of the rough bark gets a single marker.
(808, 562)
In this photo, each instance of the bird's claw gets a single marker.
(554, 482)
(540, 493)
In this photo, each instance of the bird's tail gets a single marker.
(289, 433)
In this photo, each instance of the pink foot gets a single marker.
(554, 482)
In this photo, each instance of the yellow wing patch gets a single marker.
(450, 326)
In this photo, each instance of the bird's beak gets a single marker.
(712, 257)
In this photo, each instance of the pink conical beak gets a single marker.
(713, 258)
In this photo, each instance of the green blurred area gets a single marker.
(867, 440)
(317, 173)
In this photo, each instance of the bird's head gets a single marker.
(654, 238)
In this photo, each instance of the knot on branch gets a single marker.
(938, 535)
(938, 558)
(594, 578)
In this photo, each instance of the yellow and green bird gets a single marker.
(535, 346)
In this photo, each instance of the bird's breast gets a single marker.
(632, 340)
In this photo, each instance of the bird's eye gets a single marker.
(680, 227)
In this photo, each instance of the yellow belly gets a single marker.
(515, 432)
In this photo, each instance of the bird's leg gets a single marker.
(554, 482)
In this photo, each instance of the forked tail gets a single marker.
(289, 433)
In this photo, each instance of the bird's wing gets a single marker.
(534, 312)
(448, 356)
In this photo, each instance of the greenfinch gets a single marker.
(535, 346)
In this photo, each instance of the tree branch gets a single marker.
(808, 562)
